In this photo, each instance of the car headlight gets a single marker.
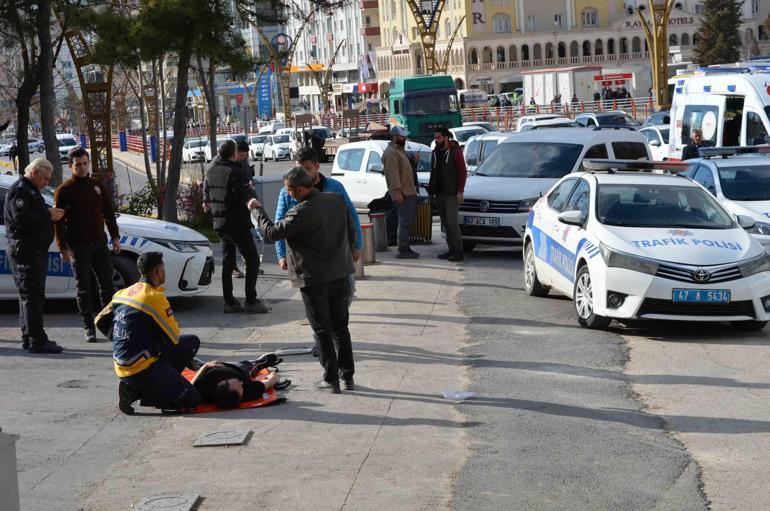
(760, 228)
(756, 265)
(616, 259)
(527, 204)
(177, 246)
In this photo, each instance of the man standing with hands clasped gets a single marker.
(402, 188)
(321, 240)
(447, 184)
(80, 235)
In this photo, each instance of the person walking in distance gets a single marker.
(80, 235)
(321, 240)
(227, 197)
(29, 231)
(447, 185)
(402, 188)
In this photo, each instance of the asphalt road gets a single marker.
(560, 425)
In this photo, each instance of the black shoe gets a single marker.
(231, 308)
(90, 334)
(445, 255)
(348, 384)
(258, 307)
(456, 258)
(125, 398)
(24, 342)
(409, 254)
(325, 385)
(45, 347)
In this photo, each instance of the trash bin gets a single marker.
(368, 231)
(380, 231)
(421, 230)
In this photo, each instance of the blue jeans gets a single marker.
(406, 212)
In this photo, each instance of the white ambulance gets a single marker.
(730, 105)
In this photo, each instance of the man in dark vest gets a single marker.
(447, 185)
(227, 195)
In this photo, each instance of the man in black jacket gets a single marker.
(696, 142)
(447, 185)
(321, 239)
(227, 195)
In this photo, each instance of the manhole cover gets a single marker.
(220, 438)
(168, 503)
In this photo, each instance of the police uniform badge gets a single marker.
(19, 203)
(97, 190)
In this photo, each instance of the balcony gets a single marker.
(369, 31)
(561, 61)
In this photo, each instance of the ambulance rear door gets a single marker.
(696, 111)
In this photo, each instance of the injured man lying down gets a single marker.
(150, 355)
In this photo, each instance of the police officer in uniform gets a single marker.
(29, 230)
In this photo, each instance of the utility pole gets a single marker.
(656, 32)
(323, 82)
(427, 14)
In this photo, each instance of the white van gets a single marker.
(472, 98)
(729, 105)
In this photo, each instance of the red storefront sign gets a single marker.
(367, 87)
(617, 76)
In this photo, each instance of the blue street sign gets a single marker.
(264, 95)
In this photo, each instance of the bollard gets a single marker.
(380, 231)
(359, 269)
(368, 230)
(9, 482)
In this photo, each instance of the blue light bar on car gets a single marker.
(721, 70)
(731, 88)
(610, 166)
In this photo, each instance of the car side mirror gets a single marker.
(573, 217)
(655, 143)
(376, 167)
(746, 222)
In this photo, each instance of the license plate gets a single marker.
(489, 221)
(701, 295)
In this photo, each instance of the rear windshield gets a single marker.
(630, 150)
(280, 139)
(464, 135)
(531, 159)
(615, 120)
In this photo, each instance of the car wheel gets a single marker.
(748, 326)
(532, 284)
(583, 298)
(468, 246)
(40, 149)
(124, 272)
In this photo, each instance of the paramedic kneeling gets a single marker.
(149, 354)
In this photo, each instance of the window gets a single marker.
(501, 3)
(350, 159)
(472, 153)
(699, 9)
(651, 136)
(397, 106)
(580, 199)
(487, 148)
(501, 24)
(392, 9)
(598, 151)
(704, 176)
(754, 6)
(755, 129)
(630, 150)
(557, 20)
(745, 183)
(557, 199)
(531, 22)
(374, 159)
(590, 17)
(702, 117)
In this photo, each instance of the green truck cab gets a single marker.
(424, 103)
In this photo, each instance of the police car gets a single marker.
(739, 178)
(187, 254)
(645, 244)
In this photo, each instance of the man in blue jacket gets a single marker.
(307, 158)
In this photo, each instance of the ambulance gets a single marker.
(730, 105)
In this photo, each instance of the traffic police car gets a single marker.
(187, 255)
(739, 178)
(641, 243)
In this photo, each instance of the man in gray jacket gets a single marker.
(321, 241)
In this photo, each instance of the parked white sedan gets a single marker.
(644, 245)
(187, 254)
(657, 140)
(277, 147)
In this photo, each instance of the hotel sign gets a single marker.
(682, 20)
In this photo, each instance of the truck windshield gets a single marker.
(749, 183)
(429, 103)
(531, 159)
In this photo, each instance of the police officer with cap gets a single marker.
(29, 230)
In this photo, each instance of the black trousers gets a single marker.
(326, 306)
(91, 259)
(29, 271)
(243, 242)
(162, 385)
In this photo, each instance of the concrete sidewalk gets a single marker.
(394, 443)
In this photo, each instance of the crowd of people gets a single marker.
(318, 239)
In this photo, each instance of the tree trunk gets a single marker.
(213, 107)
(23, 100)
(180, 127)
(142, 110)
(47, 95)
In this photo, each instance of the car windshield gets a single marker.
(258, 140)
(464, 135)
(67, 141)
(280, 139)
(436, 102)
(615, 120)
(197, 143)
(638, 205)
(747, 183)
(423, 164)
(321, 133)
(531, 159)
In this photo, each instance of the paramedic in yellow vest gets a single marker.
(148, 352)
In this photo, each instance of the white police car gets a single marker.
(739, 178)
(187, 254)
(644, 245)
